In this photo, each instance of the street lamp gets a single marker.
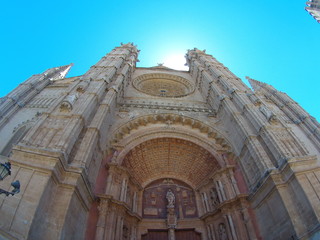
(5, 170)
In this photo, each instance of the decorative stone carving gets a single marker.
(254, 99)
(103, 207)
(114, 157)
(83, 86)
(171, 199)
(214, 198)
(163, 85)
(68, 102)
(171, 217)
(271, 117)
(223, 232)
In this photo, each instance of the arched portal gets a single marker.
(204, 185)
(170, 158)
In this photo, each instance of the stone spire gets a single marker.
(254, 83)
(57, 73)
(257, 85)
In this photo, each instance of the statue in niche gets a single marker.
(222, 232)
(214, 197)
(171, 199)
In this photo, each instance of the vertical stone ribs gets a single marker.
(290, 108)
(26, 91)
(90, 103)
(246, 115)
(119, 65)
(228, 97)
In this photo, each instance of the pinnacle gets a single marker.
(129, 44)
(254, 83)
(58, 72)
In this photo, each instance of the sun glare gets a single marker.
(175, 61)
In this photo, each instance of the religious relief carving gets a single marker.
(171, 215)
(214, 198)
(171, 199)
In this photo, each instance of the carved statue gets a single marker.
(222, 232)
(214, 198)
(171, 199)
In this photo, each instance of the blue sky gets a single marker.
(276, 42)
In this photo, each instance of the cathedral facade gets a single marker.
(131, 153)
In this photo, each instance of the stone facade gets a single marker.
(123, 152)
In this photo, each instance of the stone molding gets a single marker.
(176, 81)
(175, 119)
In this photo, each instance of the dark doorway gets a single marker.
(155, 235)
(187, 234)
(181, 234)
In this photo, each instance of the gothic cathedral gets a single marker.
(132, 153)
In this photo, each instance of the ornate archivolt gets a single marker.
(169, 145)
(170, 158)
(169, 119)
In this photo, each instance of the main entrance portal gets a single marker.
(168, 201)
(173, 188)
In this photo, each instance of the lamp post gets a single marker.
(5, 170)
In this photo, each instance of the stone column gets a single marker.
(103, 207)
(221, 190)
(109, 229)
(219, 193)
(205, 201)
(134, 202)
(171, 234)
(248, 223)
(231, 226)
(109, 183)
(171, 216)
